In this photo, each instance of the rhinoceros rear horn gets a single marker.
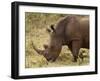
(41, 52)
(48, 30)
(45, 46)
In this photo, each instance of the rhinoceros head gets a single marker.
(51, 51)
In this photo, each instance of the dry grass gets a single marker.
(36, 24)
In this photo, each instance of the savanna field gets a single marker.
(35, 32)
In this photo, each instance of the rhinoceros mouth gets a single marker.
(51, 59)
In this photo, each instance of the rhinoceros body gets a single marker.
(72, 31)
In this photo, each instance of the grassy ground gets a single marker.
(36, 24)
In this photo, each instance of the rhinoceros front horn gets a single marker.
(41, 52)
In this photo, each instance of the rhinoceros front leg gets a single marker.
(76, 45)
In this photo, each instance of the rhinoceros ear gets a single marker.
(45, 46)
(52, 27)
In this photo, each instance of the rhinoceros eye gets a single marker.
(52, 47)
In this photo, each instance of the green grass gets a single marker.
(36, 24)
